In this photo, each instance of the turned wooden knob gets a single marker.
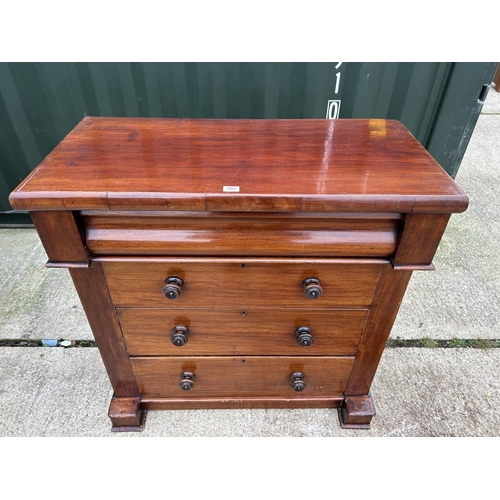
(312, 288)
(298, 383)
(173, 287)
(187, 382)
(304, 336)
(179, 335)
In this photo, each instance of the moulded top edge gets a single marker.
(210, 202)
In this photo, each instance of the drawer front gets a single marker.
(245, 283)
(251, 376)
(228, 332)
(247, 234)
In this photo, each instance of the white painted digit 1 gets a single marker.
(337, 78)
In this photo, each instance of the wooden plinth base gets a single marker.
(356, 412)
(251, 403)
(127, 415)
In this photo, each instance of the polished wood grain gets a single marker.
(126, 414)
(254, 203)
(446, 203)
(297, 236)
(197, 403)
(156, 201)
(386, 302)
(356, 412)
(283, 165)
(62, 238)
(235, 377)
(253, 331)
(250, 215)
(94, 295)
(419, 228)
(244, 284)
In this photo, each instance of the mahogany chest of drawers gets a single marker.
(240, 263)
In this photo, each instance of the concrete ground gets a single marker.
(53, 391)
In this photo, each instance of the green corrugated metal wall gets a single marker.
(41, 102)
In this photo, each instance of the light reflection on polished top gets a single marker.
(278, 165)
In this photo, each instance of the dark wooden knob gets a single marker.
(179, 335)
(304, 336)
(312, 288)
(298, 383)
(173, 287)
(187, 382)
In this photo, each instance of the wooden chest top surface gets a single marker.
(269, 165)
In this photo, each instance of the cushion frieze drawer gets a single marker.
(297, 235)
(249, 376)
(222, 283)
(189, 332)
